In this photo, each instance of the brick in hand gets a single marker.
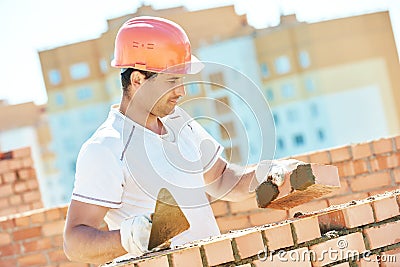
(306, 182)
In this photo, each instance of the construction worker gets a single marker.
(145, 144)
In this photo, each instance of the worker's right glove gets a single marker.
(135, 234)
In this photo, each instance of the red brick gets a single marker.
(346, 198)
(75, 264)
(218, 252)
(27, 162)
(370, 261)
(161, 261)
(233, 223)
(385, 208)
(360, 166)
(340, 154)
(32, 184)
(7, 224)
(309, 207)
(382, 146)
(9, 177)
(349, 217)
(279, 236)
(294, 258)
(36, 205)
(397, 141)
(360, 151)
(57, 256)
(53, 214)
(25, 174)
(396, 175)
(8, 262)
(20, 187)
(4, 202)
(321, 157)
(22, 221)
(6, 190)
(40, 244)
(27, 233)
(5, 238)
(383, 235)
(9, 211)
(15, 200)
(244, 206)
(345, 168)
(344, 245)
(14, 164)
(53, 228)
(31, 196)
(343, 190)
(181, 258)
(23, 208)
(249, 244)
(267, 216)
(306, 229)
(390, 258)
(30, 260)
(370, 181)
(219, 208)
(21, 152)
(384, 162)
(10, 249)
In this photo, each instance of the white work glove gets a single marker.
(275, 170)
(135, 234)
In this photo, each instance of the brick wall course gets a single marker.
(34, 238)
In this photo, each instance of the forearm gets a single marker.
(83, 243)
(234, 184)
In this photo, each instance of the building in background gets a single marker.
(25, 125)
(327, 83)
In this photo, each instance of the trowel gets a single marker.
(168, 220)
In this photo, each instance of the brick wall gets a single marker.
(365, 169)
(359, 233)
(19, 188)
(35, 238)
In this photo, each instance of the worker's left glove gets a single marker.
(276, 170)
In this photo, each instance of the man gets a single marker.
(148, 143)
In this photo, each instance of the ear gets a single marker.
(137, 79)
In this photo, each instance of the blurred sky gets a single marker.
(27, 26)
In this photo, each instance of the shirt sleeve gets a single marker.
(99, 177)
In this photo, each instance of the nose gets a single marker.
(180, 90)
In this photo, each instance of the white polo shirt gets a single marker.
(124, 165)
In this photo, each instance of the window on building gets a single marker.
(84, 93)
(264, 70)
(309, 84)
(276, 119)
(292, 115)
(59, 99)
(103, 65)
(217, 80)
(321, 135)
(227, 130)
(222, 105)
(79, 71)
(269, 94)
(298, 140)
(314, 110)
(280, 144)
(288, 90)
(304, 59)
(193, 89)
(282, 65)
(54, 77)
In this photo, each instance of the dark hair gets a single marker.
(126, 76)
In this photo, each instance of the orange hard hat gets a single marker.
(154, 44)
